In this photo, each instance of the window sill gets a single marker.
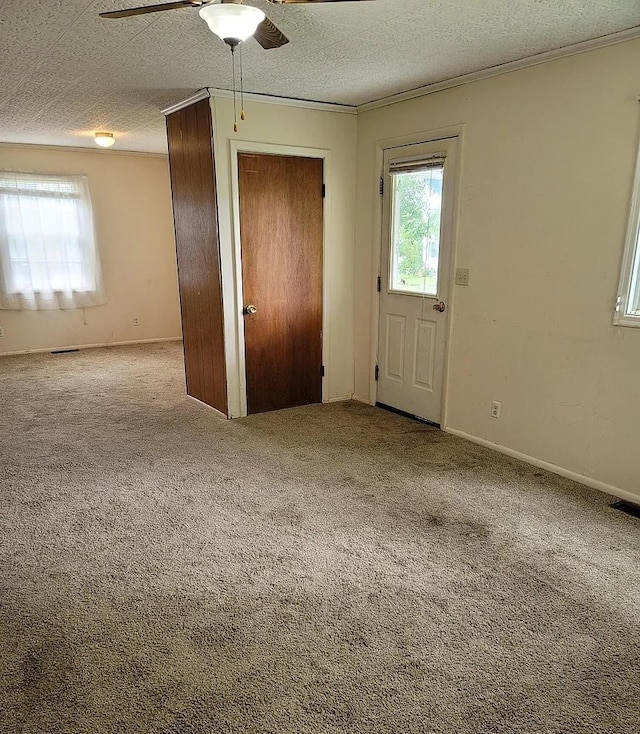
(626, 320)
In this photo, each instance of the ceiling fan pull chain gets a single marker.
(241, 87)
(235, 110)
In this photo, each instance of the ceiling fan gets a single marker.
(230, 20)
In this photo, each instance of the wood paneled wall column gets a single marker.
(195, 213)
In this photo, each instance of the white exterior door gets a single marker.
(415, 276)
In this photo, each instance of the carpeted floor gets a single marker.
(318, 570)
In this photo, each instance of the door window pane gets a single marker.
(415, 233)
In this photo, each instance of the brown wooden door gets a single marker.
(281, 233)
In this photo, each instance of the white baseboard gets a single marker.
(358, 399)
(340, 399)
(567, 473)
(93, 346)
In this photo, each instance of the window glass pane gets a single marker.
(19, 277)
(415, 232)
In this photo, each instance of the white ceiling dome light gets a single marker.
(231, 21)
(104, 139)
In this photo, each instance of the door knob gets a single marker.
(250, 309)
(440, 306)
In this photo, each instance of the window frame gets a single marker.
(629, 285)
(393, 168)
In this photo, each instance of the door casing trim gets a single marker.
(232, 291)
(428, 136)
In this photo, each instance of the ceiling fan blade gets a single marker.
(268, 35)
(151, 9)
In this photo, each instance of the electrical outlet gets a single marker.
(462, 276)
(495, 409)
(136, 321)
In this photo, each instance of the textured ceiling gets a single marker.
(65, 72)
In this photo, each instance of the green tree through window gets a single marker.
(417, 198)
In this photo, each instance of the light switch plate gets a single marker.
(462, 276)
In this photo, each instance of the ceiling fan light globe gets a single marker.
(104, 139)
(232, 21)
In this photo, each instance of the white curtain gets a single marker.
(48, 251)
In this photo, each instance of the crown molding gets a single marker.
(577, 48)
(288, 101)
(192, 99)
(81, 149)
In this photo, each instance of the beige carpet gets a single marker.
(319, 570)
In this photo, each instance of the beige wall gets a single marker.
(547, 168)
(132, 210)
(282, 129)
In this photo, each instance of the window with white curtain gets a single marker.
(48, 252)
